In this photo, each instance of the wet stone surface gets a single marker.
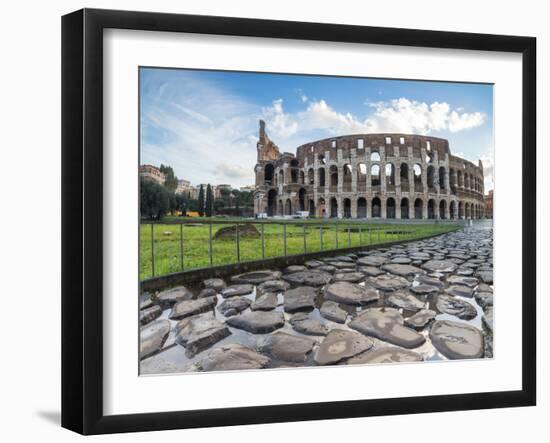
(425, 300)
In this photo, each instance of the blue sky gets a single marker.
(205, 123)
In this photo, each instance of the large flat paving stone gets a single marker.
(258, 322)
(372, 260)
(387, 324)
(333, 312)
(455, 306)
(233, 357)
(170, 297)
(420, 319)
(149, 314)
(304, 324)
(256, 277)
(152, 337)
(311, 277)
(301, 298)
(445, 266)
(389, 282)
(187, 308)
(457, 340)
(233, 305)
(200, 332)
(405, 300)
(350, 293)
(286, 347)
(340, 344)
(401, 270)
(235, 290)
(265, 302)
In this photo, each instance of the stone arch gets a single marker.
(417, 177)
(376, 208)
(321, 207)
(390, 208)
(333, 207)
(288, 207)
(310, 176)
(375, 156)
(271, 202)
(347, 178)
(333, 172)
(347, 208)
(461, 212)
(404, 176)
(431, 208)
(431, 177)
(390, 174)
(361, 207)
(418, 208)
(452, 210)
(281, 177)
(294, 171)
(467, 213)
(311, 208)
(302, 199)
(404, 208)
(442, 177)
(361, 177)
(281, 208)
(443, 209)
(302, 178)
(322, 177)
(269, 169)
(375, 175)
(460, 179)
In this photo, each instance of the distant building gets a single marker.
(184, 187)
(489, 204)
(152, 173)
(249, 188)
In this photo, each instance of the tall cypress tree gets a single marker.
(209, 201)
(201, 201)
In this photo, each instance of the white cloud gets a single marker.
(398, 115)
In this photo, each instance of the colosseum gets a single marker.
(399, 176)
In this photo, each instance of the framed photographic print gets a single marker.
(261, 217)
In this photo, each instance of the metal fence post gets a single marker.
(263, 242)
(305, 234)
(152, 250)
(284, 239)
(238, 243)
(210, 243)
(181, 246)
(336, 233)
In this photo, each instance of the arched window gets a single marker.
(431, 208)
(376, 208)
(333, 208)
(375, 175)
(347, 208)
(333, 177)
(322, 177)
(281, 179)
(310, 179)
(288, 210)
(390, 208)
(272, 202)
(404, 173)
(361, 207)
(443, 209)
(390, 174)
(417, 172)
(418, 208)
(302, 199)
(347, 177)
(431, 180)
(375, 156)
(361, 176)
(405, 208)
(268, 174)
(442, 178)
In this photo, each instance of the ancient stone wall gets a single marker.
(369, 176)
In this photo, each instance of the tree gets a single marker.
(201, 201)
(209, 201)
(171, 181)
(154, 199)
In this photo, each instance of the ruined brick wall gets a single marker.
(370, 175)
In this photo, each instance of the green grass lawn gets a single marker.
(186, 246)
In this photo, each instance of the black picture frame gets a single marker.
(82, 218)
